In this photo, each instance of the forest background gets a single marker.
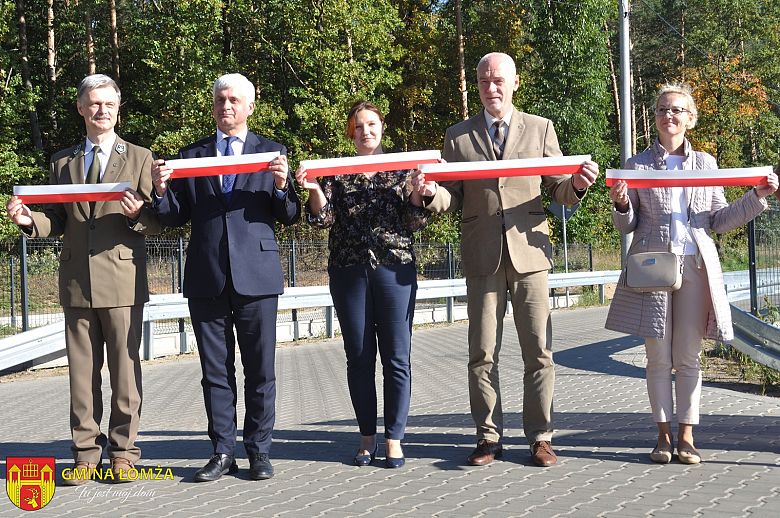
(311, 59)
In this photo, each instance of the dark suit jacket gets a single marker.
(103, 259)
(239, 235)
(494, 204)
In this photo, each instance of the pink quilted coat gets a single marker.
(649, 217)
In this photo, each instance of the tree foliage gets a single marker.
(311, 59)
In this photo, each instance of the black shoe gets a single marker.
(365, 460)
(260, 467)
(394, 462)
(218, 465)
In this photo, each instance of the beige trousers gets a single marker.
(487, 301)
(686, 324)
(86, 330)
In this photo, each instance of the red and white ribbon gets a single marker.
(369, 163)
(217, 165)
(644, 178)
(71, 193)
(545, 166)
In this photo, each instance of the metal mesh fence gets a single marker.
(767, 233)
(304, 263)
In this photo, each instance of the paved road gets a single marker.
(604, 434)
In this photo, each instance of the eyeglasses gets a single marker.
(674, 110)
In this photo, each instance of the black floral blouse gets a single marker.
(371, 220)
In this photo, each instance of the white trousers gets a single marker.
(686, 324)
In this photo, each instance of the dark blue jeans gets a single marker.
(375, 310)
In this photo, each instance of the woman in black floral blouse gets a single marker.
(373, 279)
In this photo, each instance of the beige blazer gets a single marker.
(503, 206)
(103, 258)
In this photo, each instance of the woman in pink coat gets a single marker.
(677, 219)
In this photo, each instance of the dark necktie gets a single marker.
(93, 173)
(228, 180)
(498, 139)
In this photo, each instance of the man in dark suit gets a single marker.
(233, 275)
(506, 248)
(102, 278)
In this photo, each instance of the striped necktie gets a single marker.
(498, 139)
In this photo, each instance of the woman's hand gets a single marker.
(765, 190)
(618, 193)
(301, 176)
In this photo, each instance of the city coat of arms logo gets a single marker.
(29, 481)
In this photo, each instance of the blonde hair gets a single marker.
(685, 91)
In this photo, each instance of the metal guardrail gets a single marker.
(49, 340)
(756, 338)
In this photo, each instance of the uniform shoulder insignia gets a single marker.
(120, 148)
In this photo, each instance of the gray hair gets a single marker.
(95, 81)
(685, 91)
(505, 58)
(236, 82)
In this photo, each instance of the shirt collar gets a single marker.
(105, 147)
(489, 119)
(241, 136)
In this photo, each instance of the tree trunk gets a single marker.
(682, 44)
(114, 41)
(35, 128)
(90, 42)
(51, 60)
(464, 104)
(227, 40)
(352, 86)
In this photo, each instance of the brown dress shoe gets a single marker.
(485, 452)
(120, 468)
(81, 473)
(543, 454)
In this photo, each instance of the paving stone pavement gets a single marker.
(604, 433)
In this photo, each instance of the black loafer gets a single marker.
(260, 467)
(218, 465)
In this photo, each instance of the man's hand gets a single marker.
(131, 204)
(279, 167)
(161, 173)
(421, 186)
(586, 176)
(19, 213)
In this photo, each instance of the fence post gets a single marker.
(23, 281)
(751, 232)
(13, 292)
(180, 279)
(450, 275)
(292, 280)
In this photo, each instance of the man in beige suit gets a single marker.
(505, 247)
(102, 281)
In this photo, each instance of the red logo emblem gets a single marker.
(29, 481)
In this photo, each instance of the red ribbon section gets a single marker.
(71, 197)
(214, 170)
(748, 181)
(471, 174)
(401, 165)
